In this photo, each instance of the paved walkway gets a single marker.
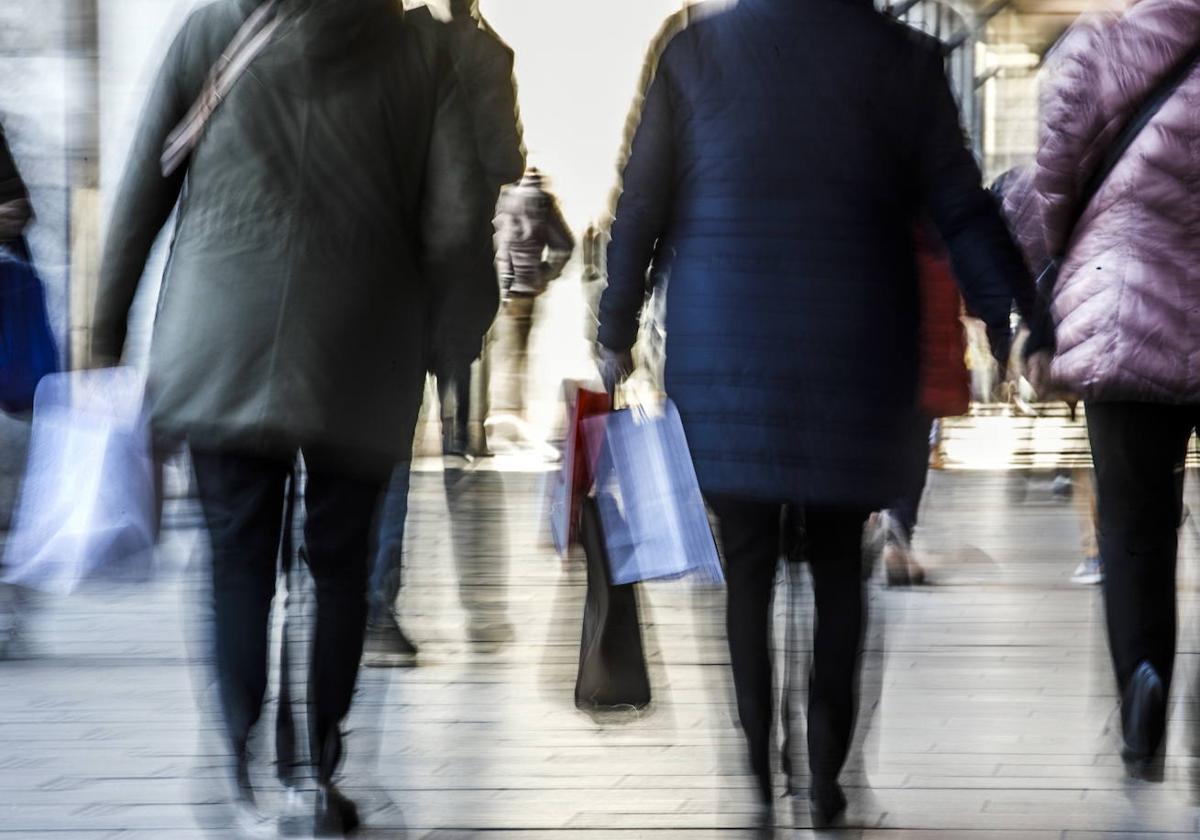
(986, 697)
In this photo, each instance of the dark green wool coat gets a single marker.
(313, 269)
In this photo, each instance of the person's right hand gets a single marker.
(615, 366)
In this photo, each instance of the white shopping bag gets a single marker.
(651, 511)
(88, 505)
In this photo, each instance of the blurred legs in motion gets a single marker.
(832, 545)
(476, 501)
(901, 519)
(454, 394)
(1083, 496)
(749, 534)
(513, 327)
(387, 644)
(243, 499)
(1139, 451)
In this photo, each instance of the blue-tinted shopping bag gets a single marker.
(89, 503)
(27, 348)
(651, 511)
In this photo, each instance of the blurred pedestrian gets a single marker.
(945, 391)
(1025, 212)
(1123, 307)
(15, 209)
(534, 244)
(784, 153)
(15, 214)
(483, 66)
(594, 274)
(314, 271)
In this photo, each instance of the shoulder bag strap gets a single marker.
(250, 40)
(1153, 103)
(1042, 328)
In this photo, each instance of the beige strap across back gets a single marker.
(250, 40)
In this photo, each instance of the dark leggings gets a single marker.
(832, 545)
(243, 500)
(915, 470)
(1139, 451)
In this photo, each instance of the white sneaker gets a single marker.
(1089, 572)
(1062, 487)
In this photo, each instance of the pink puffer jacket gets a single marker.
(1127, 303)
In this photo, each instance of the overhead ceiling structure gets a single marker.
(1045, 20)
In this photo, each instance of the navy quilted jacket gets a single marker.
(785, 148)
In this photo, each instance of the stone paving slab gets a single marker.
(987, 698)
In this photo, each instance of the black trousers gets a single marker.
(832, 544)
(243, 501)
(915, 464)
(454, 393)
(1139, 451)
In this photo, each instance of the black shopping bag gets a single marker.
(612, 662)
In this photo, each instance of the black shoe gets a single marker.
(387, 646)
(1143, 722)
(826, 803)
(334, 814)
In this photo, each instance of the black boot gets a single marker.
(826, 802)
(334, 814)
(1143, 722)
(387, 646)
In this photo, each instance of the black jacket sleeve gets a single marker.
(989, 267)
(494, 111)
(456, 231)
(144, 199)
(642, 215)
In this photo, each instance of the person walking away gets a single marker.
(787, 209)
(594, 274)
(15, 215)
(334, 185)
(1123, 308)
(945, 391)
(1025, 213)
(534, 244)
(483, 66)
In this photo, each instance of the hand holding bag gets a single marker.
(651, 511)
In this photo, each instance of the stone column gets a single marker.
(83, 162)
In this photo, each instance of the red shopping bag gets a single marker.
(575, 478)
